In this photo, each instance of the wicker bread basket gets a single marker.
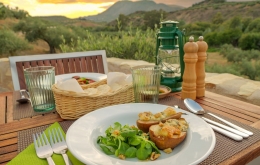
(72, 105)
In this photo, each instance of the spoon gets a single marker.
(23, 99)
(176, 106)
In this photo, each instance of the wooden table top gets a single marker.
(243, 112)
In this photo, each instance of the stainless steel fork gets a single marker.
(58, 144)
(43, 147)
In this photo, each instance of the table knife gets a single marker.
(244, 135)
(226, 133)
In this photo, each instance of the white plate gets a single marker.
(93, 76)
(82, 136)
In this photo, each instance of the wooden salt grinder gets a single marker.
(189, 75)
(200, 67)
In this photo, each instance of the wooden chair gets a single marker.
(90, 61)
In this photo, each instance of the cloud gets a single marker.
(73, 1)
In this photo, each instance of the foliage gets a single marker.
(250, 41)
(123, 19)
(153, 18)
(254, 26)
(35, 29)
(10, 43)
(218, 18)
(7, 12)
(245, 62)
(138, 45)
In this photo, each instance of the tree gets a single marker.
(124, 20)
(10, 43)
(35, 29)
(218, 19)
(152, 18)
(254, 26)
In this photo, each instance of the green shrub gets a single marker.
(250, 41)
(10, 43)
(139, 45)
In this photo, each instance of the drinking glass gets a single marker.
(146, 83)
(39, 81)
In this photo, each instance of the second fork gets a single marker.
(58, 144)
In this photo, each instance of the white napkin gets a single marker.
(70, 85)
(118, 78)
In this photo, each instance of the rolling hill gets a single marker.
(128, 7)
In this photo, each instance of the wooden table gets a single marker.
(234, 109)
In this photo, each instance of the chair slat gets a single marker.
(66, 68)
(40, 63)
(46, 62)
(83, 64)
(26, 65)
(100, 64)
(34, 63)
(77, 65)
(94, 64)
(59, 66)
(89, 64)
(53, 63)
(71, 65)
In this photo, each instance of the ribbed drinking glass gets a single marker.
(39, 81)
(146, 83)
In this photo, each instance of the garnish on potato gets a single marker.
(146, 119)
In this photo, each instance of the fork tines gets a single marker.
(56, 136)
(40, 140)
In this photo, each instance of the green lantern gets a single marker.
(169, 54)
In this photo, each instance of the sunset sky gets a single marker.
(75, 8)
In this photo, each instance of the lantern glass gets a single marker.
(170, 63)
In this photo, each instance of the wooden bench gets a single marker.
(90, 61)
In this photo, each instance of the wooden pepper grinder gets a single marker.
(200, 67)
(189, 75)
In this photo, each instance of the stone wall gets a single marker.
(225, 84)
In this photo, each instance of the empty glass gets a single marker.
(146, 83)
(39, 81)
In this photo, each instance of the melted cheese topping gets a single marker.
(148, 116)
(171, 127)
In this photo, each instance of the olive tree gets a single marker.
(53, 35)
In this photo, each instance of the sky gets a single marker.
(76, 8)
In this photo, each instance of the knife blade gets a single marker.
(232, 125)
(226, 133)
(244, 135)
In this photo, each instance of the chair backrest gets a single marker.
(89, 61)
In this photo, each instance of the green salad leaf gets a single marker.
(126, 142)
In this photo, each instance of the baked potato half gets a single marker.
(169, 134)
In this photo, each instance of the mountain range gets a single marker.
(128, 7)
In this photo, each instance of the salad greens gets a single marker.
(127, 142)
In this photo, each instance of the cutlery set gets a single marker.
(57, 144)
(232, 131)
